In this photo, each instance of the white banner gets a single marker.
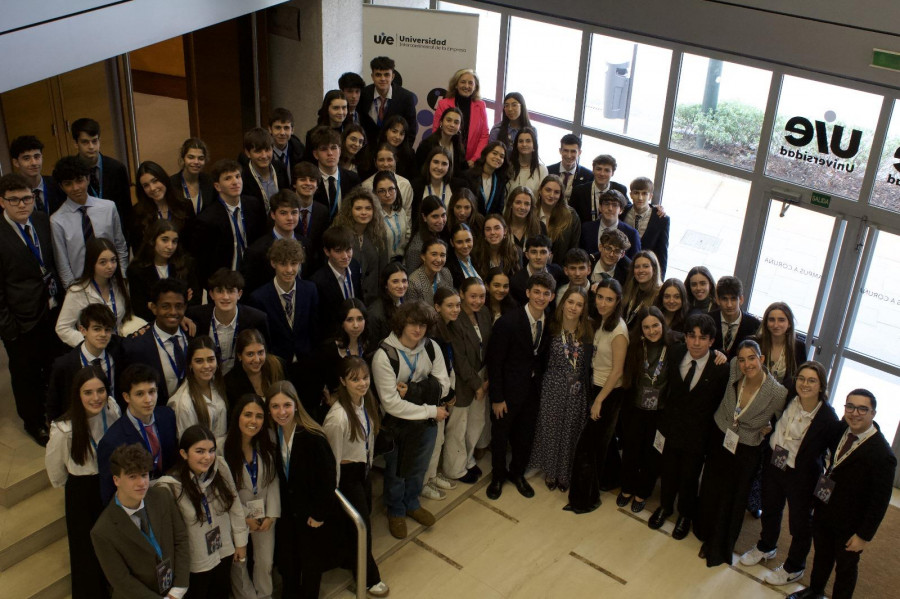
(428, 46)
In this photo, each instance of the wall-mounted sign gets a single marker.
(820, 199)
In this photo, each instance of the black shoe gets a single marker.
(551, 484)
(658, 518)
(682, 528)
(757, 514)
(622, 500)
(471, 476)
(806, 593)
(638, 506)
(40, 434)
(522, 486)
(495, 488)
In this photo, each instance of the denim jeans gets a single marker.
(401, 495)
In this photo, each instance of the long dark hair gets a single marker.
(426, 166)
(584, 332)
(612, 321)
(700, 270)
(509, 254)
(342, 337)
(535, 162)
(217, 383)
(524, 121)
(346, 160)
(271, 370)
(388, 176)
(479, 162)
(634, 358)
(221, 493)
(442, 328)
(92, 250)
(81, 433)
(145, 211)
(790, 338)
(459, 151)
(679, 317)
(146, 254)
(330, 96)
(560, 218)
(476, 220)
(261, 442)
(355, 366)
(387, 302)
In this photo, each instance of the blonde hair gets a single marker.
(375, 230)
(301, 416)
(454, 81)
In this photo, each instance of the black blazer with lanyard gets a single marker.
(493, 203)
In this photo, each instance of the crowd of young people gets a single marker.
(349, 298)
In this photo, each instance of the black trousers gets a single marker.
(83, 507)
(830, 553)
(591, 452)
(778, 487)
(357, 488)
(680, 477)
(211, 584)
(31, 358)
(516, 428)
(640, 461)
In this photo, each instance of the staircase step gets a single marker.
(31, 525)
(22, 471)
(43, 575)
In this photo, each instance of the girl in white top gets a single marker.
(201, 397)
(351, 426)
(204, 491)
(386, 160)
(250, 453)
(100, 283)
(396, 220)
(71, 461)
(525, 166)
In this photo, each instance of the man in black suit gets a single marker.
(314, 216)
(122, 534)
(651, 223)
(100, 348)
(30, 297)
(537, 253)
(109, 177)
(287, 149)
(733, 325)
(339, 279)
(221, 234)
(610, 261)
(851, 498)
(261, 179)
(382, 99)
(514, 360)
(352, 85)
(223, 318)
(585, 198)
(146, 421)
(335, 182)
(571, 173)
(284, 212)
(696, 387)
(26, 154)
(164, 345)
(612, 204)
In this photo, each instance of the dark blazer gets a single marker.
(331, 296)
(472, 178)
(590, 232)
(252, 188)
(581, 198)
(582, 174)
(748, 327)
(347, 180)
(211, 240)
(656, 238)
(621, 271)
(402, 102)
(24, 298)
(208, 192)
(116, 187)
(256, 267)
(297, 153)
(433, 139)
(468, 350)
(143, 350)
(687, 413)
(123, 432)
(53, 196)
(519, 282)
(809, 462)
(513, 368)
(142, 278)
(127, 557)
(319, 220)
(288, 342)
(862, 487)
(64, 369)
(237, 383)
(419, 186)
(247, 318)
(569, 239)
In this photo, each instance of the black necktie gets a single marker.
(689, 377)
(846, 446)
(87, 229)
(729, 336)
(180, 358)
(95, 179)
(332, 191)
(39, 199)
(538, 328)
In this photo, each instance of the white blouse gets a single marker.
(58, 457)
(185, 416)
(77, 299)
(337, 430)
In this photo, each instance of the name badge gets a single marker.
(574, 386)
(650, 399)
(731, 441)
(256, 509)
(164, 576)
(824, 489)
(659, 442)
(213, 541)
(780, 457)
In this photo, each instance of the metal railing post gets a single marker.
(360, 544)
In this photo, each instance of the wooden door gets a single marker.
(30, 110)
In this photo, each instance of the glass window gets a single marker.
(822, 136)
(791, 261)
(626, 90)
(707, 212)
(876, 328)
(630, 163)
(886, 193)
(719, 110)
(854, 375)
(543, 66)
(548, 141)
(488, 46)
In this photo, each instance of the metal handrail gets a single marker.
(360, 543)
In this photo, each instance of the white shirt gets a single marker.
(281, 293)
(58, 456)
(225, 337)
(597, 273)
(725, 324)
(376, 102)
(186, 416)
(341, 278)
(535, 340)
(791, 428)
(686, 365)
(79, 297)
(642, 223)
(169, 353)
(337, 429)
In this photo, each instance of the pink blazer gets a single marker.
(478, 127)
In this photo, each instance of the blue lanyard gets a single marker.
(187, 194)
(168, 214)
(449, 358)
(412, 365)
(205, 503)
(33, 244)
(112, 300)
(179, 374)
(337, 194)
(468, 269)
(149, 447)
(212, 327)
(443, 193)
(286, 457)
(105, 427)
(151, 538)
(395, 234)
(490, 201)
(253, 470)
(99, 176)
(237, 229)
(109, 375)
(348, 285)
(359, 345)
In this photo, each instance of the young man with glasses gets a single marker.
(32, 294)
(612, 204)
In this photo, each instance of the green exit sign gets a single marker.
(820, 199)
(886, 59)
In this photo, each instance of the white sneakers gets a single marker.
(442, 482)
(780, 576)
(754, 556)
(430, 491)
(379, 590)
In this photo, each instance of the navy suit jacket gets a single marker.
(319, 220)
(143, 350)
(518, 283)
(247, 318)
(513, 368)
(656, 238)
(208, 192)
(64, 369)
(122, 432)
(582, 174)
(331, 296)
(116, 187)
(53, 196)
(748, 327)
(347, 180)
(581, 198)
(252, 188)
(286, 341)
(590, 232)
(402, 102)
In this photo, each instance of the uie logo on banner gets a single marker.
(800, 132)
(384, 39)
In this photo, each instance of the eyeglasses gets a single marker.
(18, 201)
(612, 250)
(386, 191)
(861, 410)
